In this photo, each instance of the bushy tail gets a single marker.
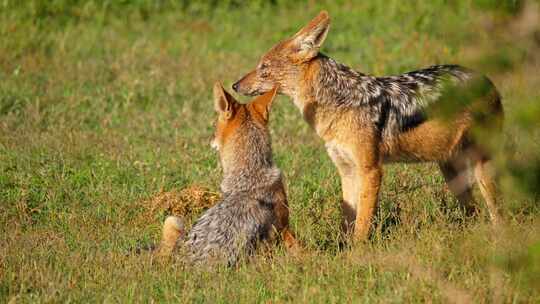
(173, 229)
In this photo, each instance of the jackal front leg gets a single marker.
(369, 183)
(344, 161)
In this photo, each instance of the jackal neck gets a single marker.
(247, 160)
(339, 85)
(250, 181)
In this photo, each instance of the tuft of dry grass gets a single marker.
(189, 201)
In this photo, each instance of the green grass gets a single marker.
(103, 104)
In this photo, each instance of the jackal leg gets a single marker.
(368, 184)
(347, 173)
(173, 229)
(349, 202)
(291, 243)
(484, 173)
(456, 174)
(360, 170)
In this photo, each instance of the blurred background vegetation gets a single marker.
(104, 104)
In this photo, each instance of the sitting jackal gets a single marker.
(254, 206)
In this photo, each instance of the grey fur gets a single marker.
(245, 216)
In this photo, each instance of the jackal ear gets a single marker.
(263, 103)
(310, 38)
(223, 101)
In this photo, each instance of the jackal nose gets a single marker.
(235, 87)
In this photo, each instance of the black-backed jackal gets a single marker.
(367, 120)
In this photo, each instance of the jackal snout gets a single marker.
(252, 85)
(235, 86)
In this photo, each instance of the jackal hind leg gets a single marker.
(456, 173)
(173, 229)
(485, 176)
(292, 245)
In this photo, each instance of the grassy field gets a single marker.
(103, 105)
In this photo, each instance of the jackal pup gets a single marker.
(367, 120)
(254, 205)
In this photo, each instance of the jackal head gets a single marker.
(284, 65)
(241, 134)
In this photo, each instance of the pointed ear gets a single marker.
(223, 101)
(310, 38)
(263, 103)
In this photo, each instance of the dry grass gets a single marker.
(190, 201)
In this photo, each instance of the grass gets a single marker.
(103, 105)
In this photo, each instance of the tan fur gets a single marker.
(173, 229)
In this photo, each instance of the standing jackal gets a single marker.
(254, 204)
(436, 114)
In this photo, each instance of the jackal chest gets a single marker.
(300, 103)
(321, 118)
